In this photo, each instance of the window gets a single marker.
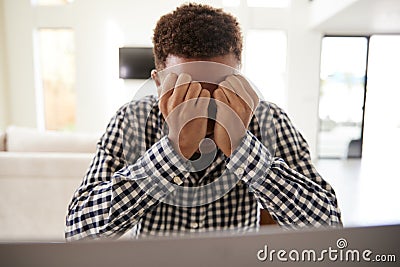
(265, 63)
(382, 120)
(259, 3)
(269, 3)
(50, 2)
(342, 92)
(231, 3)
(354, 120)
(56, 62)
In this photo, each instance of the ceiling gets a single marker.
(364, 17)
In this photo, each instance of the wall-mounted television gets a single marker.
(135, 62)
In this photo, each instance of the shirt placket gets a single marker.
(197, 219)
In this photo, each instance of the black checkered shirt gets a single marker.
(135, 170)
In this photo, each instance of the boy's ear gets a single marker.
(155, 77)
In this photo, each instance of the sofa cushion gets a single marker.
(21, 139)
(35, 189)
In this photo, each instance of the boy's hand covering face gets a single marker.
(236, 101)
(184, 104)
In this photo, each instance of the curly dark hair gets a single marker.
(196, 31)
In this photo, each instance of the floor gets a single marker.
(368, 189)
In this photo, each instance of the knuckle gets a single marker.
(242, 109)
(256, 100)
(230, 78)
(185, 75)
(224, 84)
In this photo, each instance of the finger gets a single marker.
(220, 95)
(226, 115)
(227, 85)
(205, 93)
(167, 88)
(193, 91)
(249, 89)
(168, 85)
(203, 100)
(240, 90)
(181, 87)
(228, 90)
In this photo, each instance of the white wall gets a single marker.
(3, 82)
(101, 26)
(21, 90)
(303, 60)
(304, 48)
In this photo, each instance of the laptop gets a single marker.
(269, 246)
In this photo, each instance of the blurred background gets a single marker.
(333, 65)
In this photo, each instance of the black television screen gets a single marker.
(135, 62)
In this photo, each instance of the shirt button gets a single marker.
(177, 180)
(240, 183)
(239, 171)
(194, 225)
(188, 165)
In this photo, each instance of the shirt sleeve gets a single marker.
(113, 195)
(286, 184)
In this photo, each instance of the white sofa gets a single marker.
(39, 172)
